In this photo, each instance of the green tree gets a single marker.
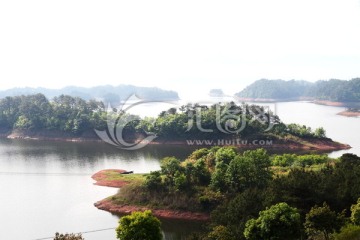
(225, 154)
(251, 169)
(170, 166)
(323, 220)
(355, 213)
(220, 233)
(153, 181)
(139, 226)
(218, 178)
(348, 232)
(278, 222)
(235, 212)
(320, 132)
(201, 172)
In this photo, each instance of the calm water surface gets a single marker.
(339, 128)
(47, 187)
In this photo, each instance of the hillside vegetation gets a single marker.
(253, 195)
(105, 93)
(332, 90)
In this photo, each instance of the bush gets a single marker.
(280, 221)
(349, 232)
(139, 226)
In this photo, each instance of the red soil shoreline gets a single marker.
(349, 114)
(329, 103)
(109, 206)
(312, 144)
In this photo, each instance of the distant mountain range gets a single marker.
(281, 90)
(106, 93)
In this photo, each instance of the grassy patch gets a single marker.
(115, 176)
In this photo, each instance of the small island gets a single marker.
(245, 126)
(216, 93)
(350, 112)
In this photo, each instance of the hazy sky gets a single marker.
(180, 45)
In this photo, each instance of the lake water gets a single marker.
(47, 187)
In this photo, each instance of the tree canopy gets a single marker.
(278, 222)
(253, 191)
(139, 226)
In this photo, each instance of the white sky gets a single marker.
(181, 45)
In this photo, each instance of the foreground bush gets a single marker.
(139, 226)
(68, 236)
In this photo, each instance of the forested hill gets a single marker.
(106, 93)
(331, 90)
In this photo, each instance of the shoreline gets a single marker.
(46, 135)
(329, 103)
(311, 100)
(325, 144)
(109, 206)
(105, 178)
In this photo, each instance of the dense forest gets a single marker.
(254, 195)
(64, 113)
(106, 93)
(332, 90)
(76, 116)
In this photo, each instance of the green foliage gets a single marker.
(220, 233)
(199, 153)
(210, 199)
(218, 178)
(64, 113)
(139, 226)
(201, 173)
(280, 221)
(23, 123)
(237, 210)
(171, 169)
(348, 232)
(153, 180)
(249, 170)
(355, 213)
(323, 220)
(302, 131)
(225, 154)
(68, 236)
(237, 191)
(288, 160)
(320, 132)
